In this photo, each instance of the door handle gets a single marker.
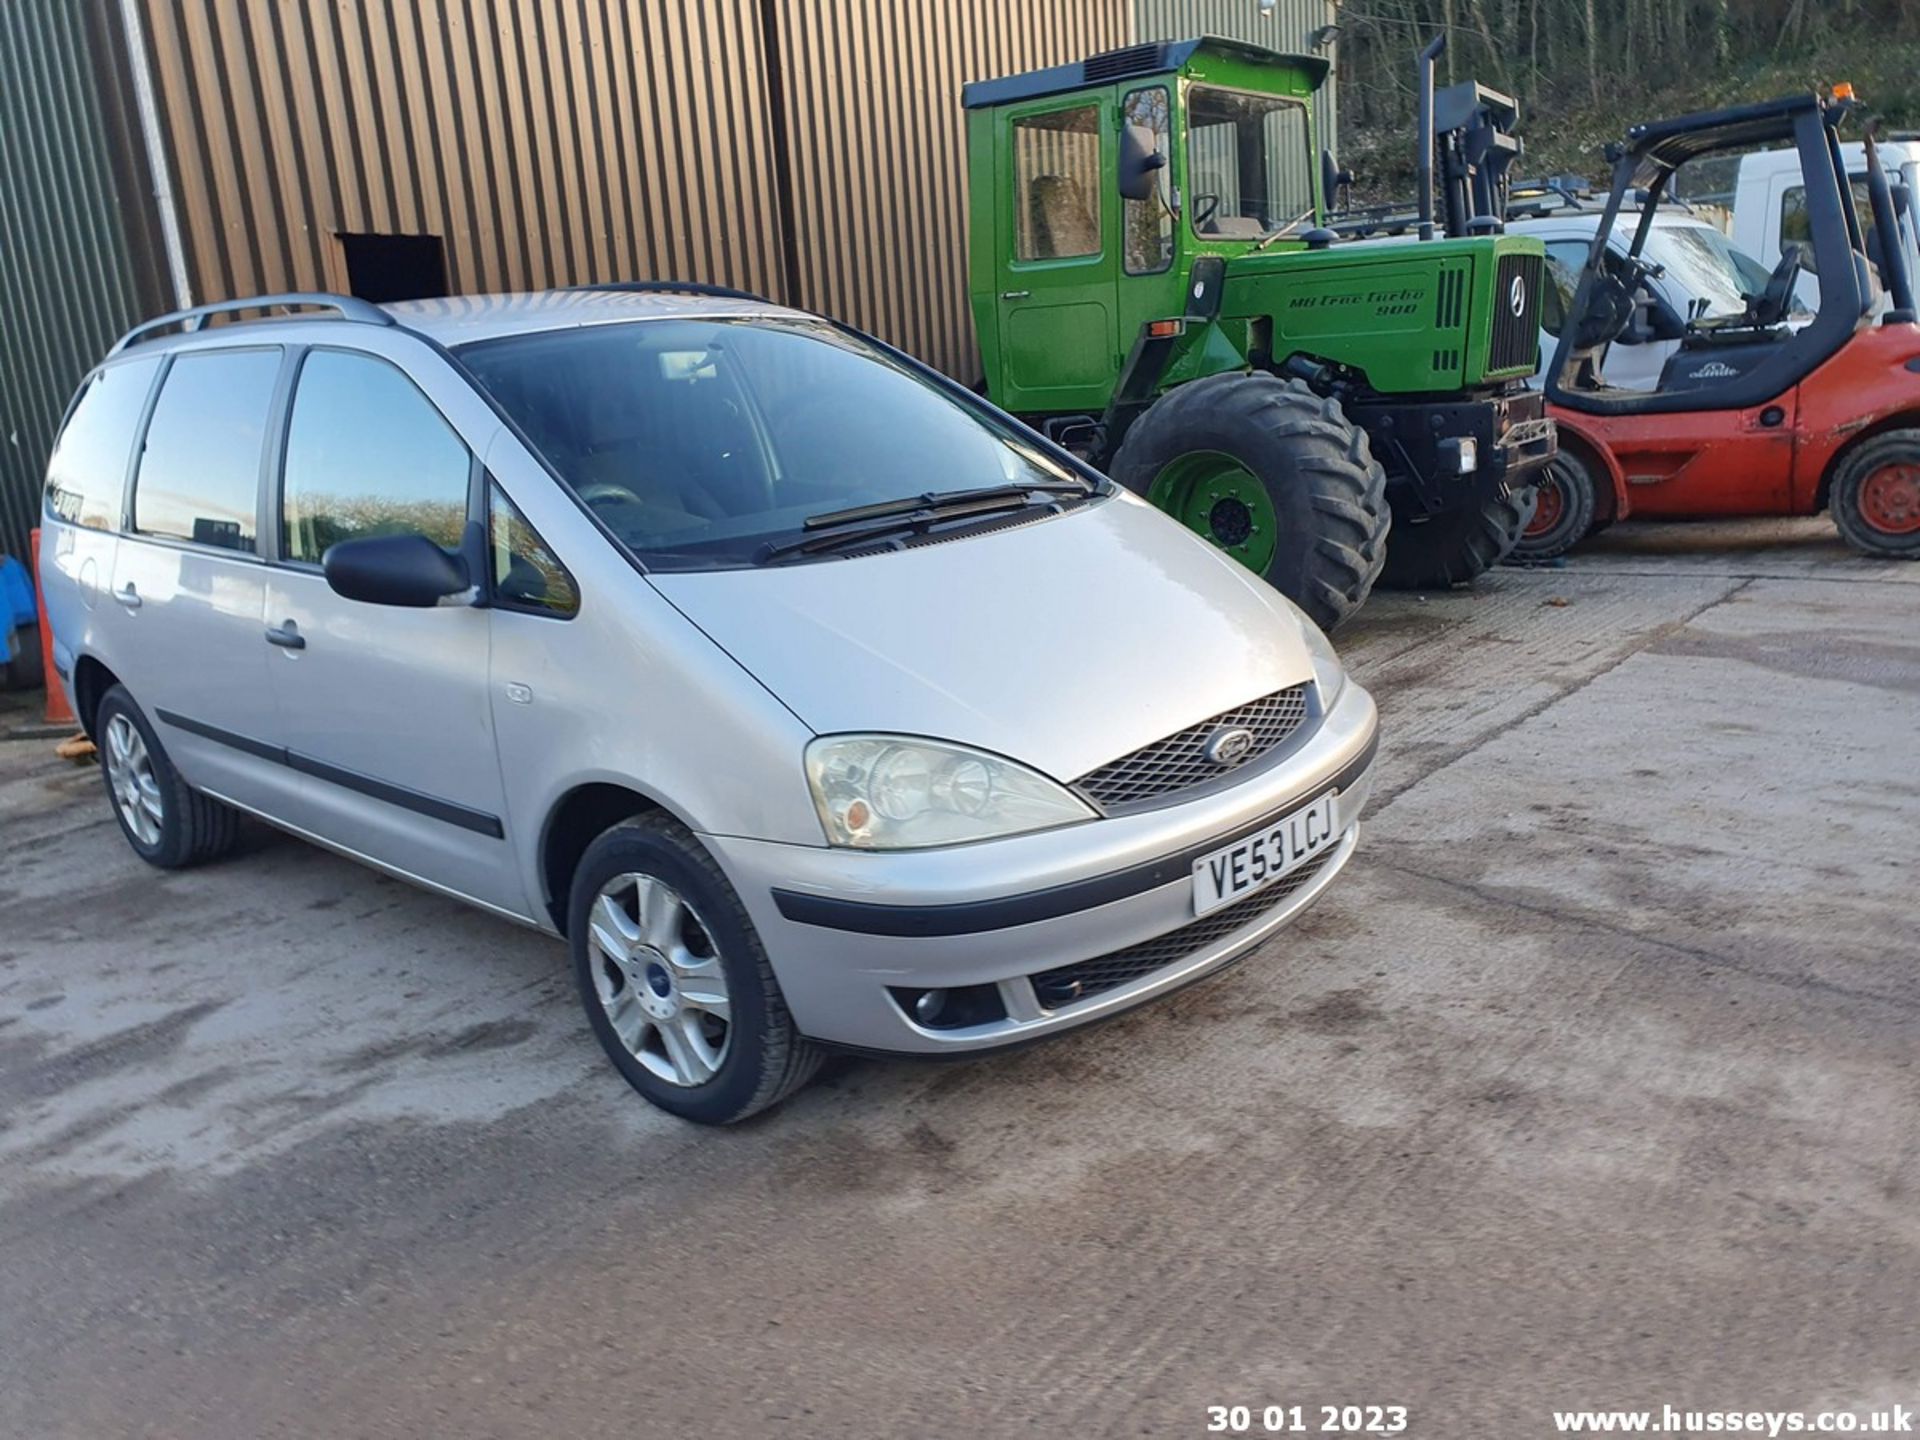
(1015, 294)
(128, 596)
(287, 637)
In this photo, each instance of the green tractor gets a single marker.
(1155, 287)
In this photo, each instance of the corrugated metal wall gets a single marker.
(545, 143)
(878, 140)
(76, 263)
(553, 143)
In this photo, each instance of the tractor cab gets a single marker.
(1754, 357)
(1097, 185)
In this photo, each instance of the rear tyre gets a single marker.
(1563, 506)
(675, 982)
(25, 671)
(168, 823)
(1456, 546)
(1875, 497)
(1273, 474)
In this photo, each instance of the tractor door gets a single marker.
(1057, 259)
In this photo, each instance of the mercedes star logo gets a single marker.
(1228, 745)
(1517, 297)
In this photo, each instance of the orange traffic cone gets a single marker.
(59, 712)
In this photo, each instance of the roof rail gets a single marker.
(349, 308)
(673, 287)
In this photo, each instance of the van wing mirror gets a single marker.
(405, 570)
(1141, 160)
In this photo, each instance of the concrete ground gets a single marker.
(1592, 1083)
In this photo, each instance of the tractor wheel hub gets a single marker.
(1230, 521)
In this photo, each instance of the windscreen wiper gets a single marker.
(833, 528)
(1281, 232)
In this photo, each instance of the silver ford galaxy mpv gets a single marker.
(816, 703)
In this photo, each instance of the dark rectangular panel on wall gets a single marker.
(78, 263)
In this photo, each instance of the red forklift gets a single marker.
(1761, 413)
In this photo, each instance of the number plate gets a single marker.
(1235, 871)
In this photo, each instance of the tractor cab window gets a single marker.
(1147, 231)
(1250, 163)
(1056, 177)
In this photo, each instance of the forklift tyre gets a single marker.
(1875, 497)
(1563, 506)
(1457, 546)
(1273, 474)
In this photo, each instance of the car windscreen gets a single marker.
(1704, 265)
(699, 441)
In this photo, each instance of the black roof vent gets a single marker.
(1113, 64)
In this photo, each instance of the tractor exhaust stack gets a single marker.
(1427, 138)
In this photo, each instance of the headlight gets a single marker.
(1328, 673)
(894, 792)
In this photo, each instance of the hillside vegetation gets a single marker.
(1584, 70)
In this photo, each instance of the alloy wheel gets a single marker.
(135, 789)
(658, 978)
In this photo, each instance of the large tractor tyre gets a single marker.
(1875, 497)
(1563, 506)
(1274, 475)
(1457, 546)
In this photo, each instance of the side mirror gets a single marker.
(1334, 181)
(407, 570)
(1141, 160)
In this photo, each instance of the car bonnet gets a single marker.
(1063, 643)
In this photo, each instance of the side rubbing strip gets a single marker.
(431, 806)
(224, 737)
(477, 821)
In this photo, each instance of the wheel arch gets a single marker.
(91, 681)
(1610, 502)
(575, 821)
(1908, 419)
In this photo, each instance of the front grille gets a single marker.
(1087, 978)
(1516, 330)
(1180, 761)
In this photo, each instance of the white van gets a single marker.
(1769, 204)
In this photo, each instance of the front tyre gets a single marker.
(1563, 506)
(675, 982)
(1273, 474)
(168, 823)
(1457, 545)
(1875, 497)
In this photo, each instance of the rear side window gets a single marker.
(367, 454)
(87, 477)
(199, 475)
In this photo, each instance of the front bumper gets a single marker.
(841, 927)
(1512, 432)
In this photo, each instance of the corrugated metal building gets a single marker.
(159, 152)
